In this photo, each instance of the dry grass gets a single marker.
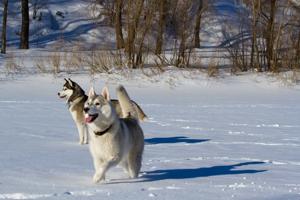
(213, 68)
(55, 61)
(13, 65)
(72, 61)
(40, 65)
(102, 61)
(289, 78)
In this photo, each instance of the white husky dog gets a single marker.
(113, 140)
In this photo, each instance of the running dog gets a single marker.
(113, 140)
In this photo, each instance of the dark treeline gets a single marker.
(266, 36)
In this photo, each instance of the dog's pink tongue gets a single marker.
(88, 119)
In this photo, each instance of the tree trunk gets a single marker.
(3, 37)
(147, 25)
(183, 32)
(198, 25)
(24, 43)
(298, 52)
(254, 47)
(134, 11)
(161, 26)
(118, 24)
(270, 37)
(182, 47)
(129, 48)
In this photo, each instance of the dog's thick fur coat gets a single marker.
(113, 140)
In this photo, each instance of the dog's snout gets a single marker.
(86, 109)
(58, 93)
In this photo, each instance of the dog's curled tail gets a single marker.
(141, 115)
(129, 108)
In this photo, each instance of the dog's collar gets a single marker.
(100, 133)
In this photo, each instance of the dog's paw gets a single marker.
(81, 142)
(98, 178)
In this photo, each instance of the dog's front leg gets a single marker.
(100, 169)
(82, 133)
(85, 134)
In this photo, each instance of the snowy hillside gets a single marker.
(68, 21)
(77, 21)
(205, 139)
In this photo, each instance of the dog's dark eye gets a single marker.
(97, 104)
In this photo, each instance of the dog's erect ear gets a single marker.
(70, 82)
(92, 92)
(105, 93)
(66, 80)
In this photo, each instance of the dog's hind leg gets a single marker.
(124, 165)
(134, 163)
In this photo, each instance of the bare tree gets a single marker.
(134, 12)
(270, 39)
(184, 22)
(118, 24)
(4, 21)
(24, 42)
(202, 6)
(298, 49)
(254, 56)
(143, 30)
(161, 25)
(296, 26)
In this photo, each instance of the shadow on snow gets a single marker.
(166, 174)
(178, 139)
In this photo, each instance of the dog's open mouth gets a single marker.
(90, 118)
(61, 96)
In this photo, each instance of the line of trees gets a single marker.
(146, 23)
(266, 37)
(274, 30)
(268, 31)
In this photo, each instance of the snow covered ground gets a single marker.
(233, 138)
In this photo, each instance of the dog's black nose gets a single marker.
(86, 109)
(58, 94)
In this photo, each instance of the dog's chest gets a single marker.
(77, 113)
(106, 146)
